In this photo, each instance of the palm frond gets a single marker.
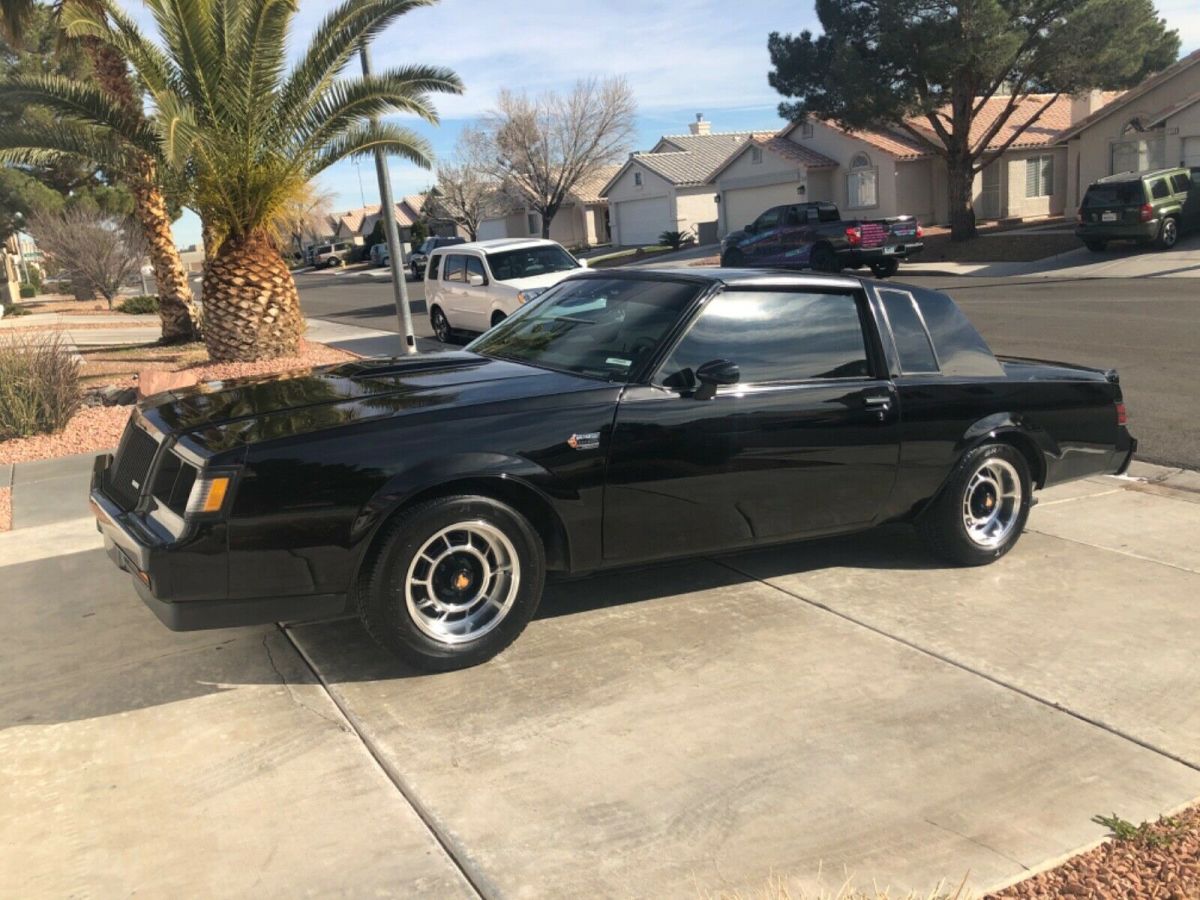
(186, 27)
(47, 144)
(335, 41)
(257, 58)
(369, 136)
(107, 21)
(346, 103)
(80, 101)
(14, 16)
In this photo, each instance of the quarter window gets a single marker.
(774, 336)
(912, 339)
(1181, 183)
(456, 268)
(1159, 189)
(1039, 176)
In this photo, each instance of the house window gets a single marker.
(1138, 155)
(1039, 176)
(534, 225)
(637, 179)
(862, 184)
(806, 129)
(755, 155)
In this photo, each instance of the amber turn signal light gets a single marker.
(208, 494)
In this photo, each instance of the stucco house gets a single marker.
(582, 220)
(667, 188)
(1154, 125)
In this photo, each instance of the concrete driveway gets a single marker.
(681, 730)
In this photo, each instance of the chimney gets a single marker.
(1083, 105)
(700, 126)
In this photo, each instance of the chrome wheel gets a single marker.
(991, 503)
(441, 326)
(1170, 233)
(462, 582)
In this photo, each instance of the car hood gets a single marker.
(222, 415)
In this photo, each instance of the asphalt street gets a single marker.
(1146, 328)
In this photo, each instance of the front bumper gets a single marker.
(863, 256)
(135, 549)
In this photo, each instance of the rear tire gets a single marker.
(982, 509)
(885, 268)
(417, 274)
(1168, 233)
(454, 582)
(441, 325)
(825, 260)
(1096, 246)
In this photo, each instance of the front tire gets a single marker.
(454, 582)
(440, 324)
(417, 274)
(497, 318)
(982, 509)
(733, 258)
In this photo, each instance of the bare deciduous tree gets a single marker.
(467, 187)
(101, 249)
(546, 145)
(304, 216)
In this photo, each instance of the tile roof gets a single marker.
(1163, 114)
(781, 147)
(697, 158)
(587, 190)
(1132, 94)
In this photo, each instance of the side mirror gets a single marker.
(714, 374)
(476, 280)
(751, 228)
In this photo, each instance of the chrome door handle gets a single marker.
(878, 401)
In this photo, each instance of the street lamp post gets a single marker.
(387, 211)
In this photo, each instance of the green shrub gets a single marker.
(28, 291)
(675, 239)
(139, 305)
(39, 384)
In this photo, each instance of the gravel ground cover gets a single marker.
(1151, 861)
(99, 427)
(5, 509)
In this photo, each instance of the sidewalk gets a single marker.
(843, 705)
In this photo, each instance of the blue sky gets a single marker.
(681, 58)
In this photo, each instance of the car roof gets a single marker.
(745, 277)
(1139, 176)
(502, 244)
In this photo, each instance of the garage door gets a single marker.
(1191, 151)
(744, 205)
(642, 221)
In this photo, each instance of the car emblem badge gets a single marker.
(588, 441)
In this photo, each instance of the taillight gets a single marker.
(920, 232)
(1079, 215)
(1146, 213)
(1120, 413)
(854, 235)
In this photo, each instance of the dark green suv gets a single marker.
(1140, 206)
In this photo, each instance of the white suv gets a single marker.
(471, 287)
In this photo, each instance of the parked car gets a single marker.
(379, 254)
(623, 417)
(815, 236)
(420, 257)
(472, 287)
(327, 256)
(1147, 207)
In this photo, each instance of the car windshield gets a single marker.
(596, 327)
(427, 246)
(1127, 193)
(529, 262)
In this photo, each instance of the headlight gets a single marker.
(525, 296)
(209, 493)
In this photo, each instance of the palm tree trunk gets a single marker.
(178, 312)
(250, 301)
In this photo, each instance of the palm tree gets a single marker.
(242, 133)
(176, 309)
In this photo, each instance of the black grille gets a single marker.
(132, 464)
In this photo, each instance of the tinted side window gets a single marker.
(912, 340)
(776, 336)
(435, 265)
(961, 350)
(1159, 189)
(456, 268)
(769, 219)
(1181, 183)
(475, 267)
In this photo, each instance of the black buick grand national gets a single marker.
(617, 419)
